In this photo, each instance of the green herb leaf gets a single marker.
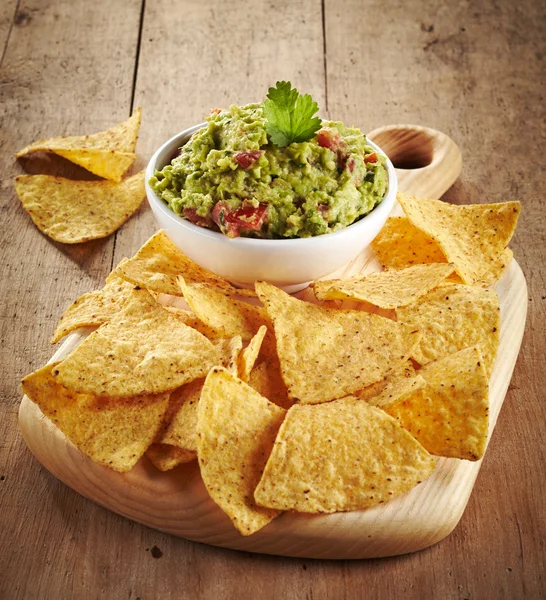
(289, 115)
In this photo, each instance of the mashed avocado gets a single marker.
(229, 177)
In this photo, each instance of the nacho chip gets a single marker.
(181, 429)
(191, 320)
(94, 308)
(399, 245)
(497, 269)
(386, 289)
(236, 429)
(472, 237)
(450, 416)
(452, 317)
(339, 456)
(107, 154)
(327, 353)
(72, 212)
(267, 380)
(159, 262)
(143, 349)
(247, 358)
(113, 432)
(222, 313)
(165, 457)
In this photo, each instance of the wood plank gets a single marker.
(67, 68)
(471, 72)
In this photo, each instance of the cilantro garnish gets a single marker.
(289, 115)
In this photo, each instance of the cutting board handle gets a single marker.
(427, 161)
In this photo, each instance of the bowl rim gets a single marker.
(381, 211)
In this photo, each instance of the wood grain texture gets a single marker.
(472, 70)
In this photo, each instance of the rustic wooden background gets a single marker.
(473, 69)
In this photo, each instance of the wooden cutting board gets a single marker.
(177, 502)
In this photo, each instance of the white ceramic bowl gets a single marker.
(290, 264)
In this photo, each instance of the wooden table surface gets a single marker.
(471, 69)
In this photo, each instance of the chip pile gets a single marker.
(72, 212)
(292, 406)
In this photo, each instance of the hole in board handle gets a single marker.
(407, 148)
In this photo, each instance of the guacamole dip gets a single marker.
(231, 178)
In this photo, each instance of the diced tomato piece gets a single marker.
(246, 218)
(191, 215)
(328, 139)
(247, 158)
(351, 165)
(371, 158)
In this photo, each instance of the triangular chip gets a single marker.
(267, 380)
(449, 416)
(114, 432)
(248, 356)
(399, 245)
(143, 349)
(327, 353)
(472, 237)
(94, 308)
(397, 388)
(236, 429)
(496, 270)
(107, 154)
(72, 212)
(159, 262)
(191, 320)
(165, 457)
(452, 317)
(224, 314)
(181, 429)
(406, 371)
(339, 456)
(386, 289)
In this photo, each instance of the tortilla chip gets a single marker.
(107, 154)
(236, 429)
(113, 432)
(267, 380)
(191, 320)
(399, 245)
(159, 262)
(452, 317)
(181, 429)
(497, 269)
(222, 313)
(339, 456)
(72, 212)
(94, 308)
(386, 289)
(165, 457)
(327, 353)
(450, 417)
(472, 237)
(247, 358)
(143, 349)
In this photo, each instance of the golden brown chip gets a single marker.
(497, 269)
(386, 289)
(191, 320)
(224, 314)
(449, 416)
(236, 429)
(165, 457)
(113, 432)
(267, 380)
(107, 154)
(72, 212)
(472, 237)
(94, 308)
(247, 358)
(327, 353)
(182, 426)
(452, 317)
(143, 349)
(159, 262)
(339, 456)
(399, 245)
